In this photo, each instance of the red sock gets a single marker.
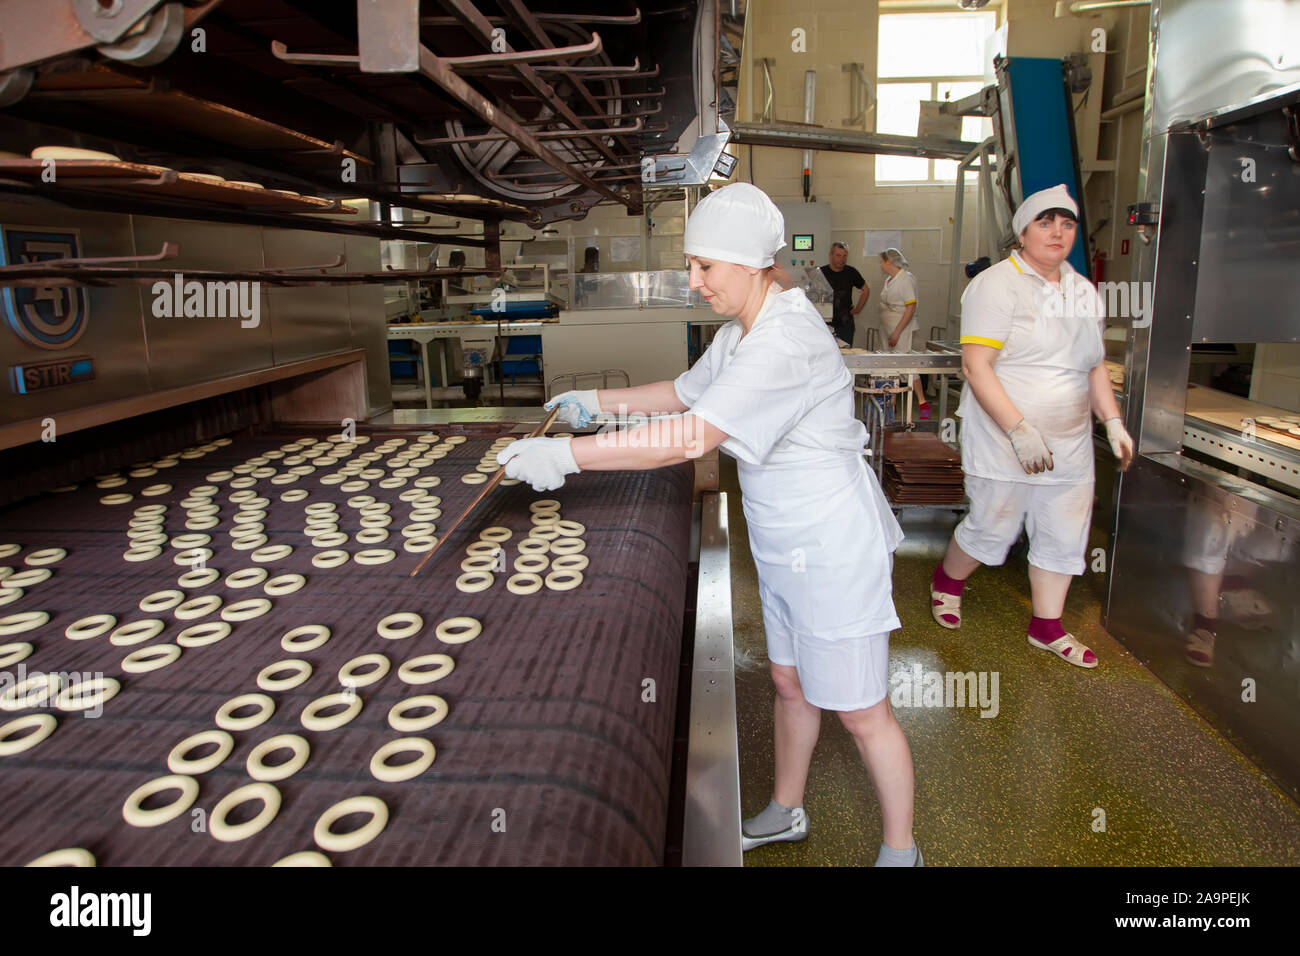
(1201, 622)
(944, 584)
(1048, 629)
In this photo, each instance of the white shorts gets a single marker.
(846, 674)
(1057, 518)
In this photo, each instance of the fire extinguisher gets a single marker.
(1098, 267)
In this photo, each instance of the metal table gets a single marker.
(426, 332)
(942, 360)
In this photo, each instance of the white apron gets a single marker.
(892, 306)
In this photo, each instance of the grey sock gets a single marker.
(891, 857)
(774, 819)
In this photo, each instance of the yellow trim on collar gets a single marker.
(980, 340)
(1015, 265)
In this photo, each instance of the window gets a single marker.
(928, 56)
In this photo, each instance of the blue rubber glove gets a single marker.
(577, 408)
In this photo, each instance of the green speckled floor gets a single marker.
(1020, 788)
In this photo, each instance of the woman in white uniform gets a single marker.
(773, 392)
(1034, 362)
(898, 301)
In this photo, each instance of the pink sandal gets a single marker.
(1068, 649)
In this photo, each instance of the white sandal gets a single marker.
(941, 603)
(1067, 648)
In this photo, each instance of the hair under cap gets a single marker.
(1058, 197)
(737, 223)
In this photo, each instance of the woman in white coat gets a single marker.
(1034, 362)
(773, 391)
(898, 299)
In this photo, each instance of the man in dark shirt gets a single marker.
(844, 279)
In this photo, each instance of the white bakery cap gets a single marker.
(738, 223)
(1058, 197)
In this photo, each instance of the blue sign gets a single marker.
(48, 318)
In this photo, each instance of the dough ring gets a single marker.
(246, 530)
(32, 691)
(374, 556)
(495, 534)
(569, 562)
(420, 544)
(259, 769)
(145, 510)
(458, 630)
(343, 842)
(11, 654)
(473, 582)
(196, 608)
(267, 680)
(246, 577)
(388, 773)
(137, 554)
(201, 635)
(198, 578)
(360, 501)
(428, 481)
(486, 468)
(356, 485)
(398, 720)
(239, 497)
(227, 720)
(137, 632)
(154, 490)
(71, 856)
(245, 610)
(9, 595)
(298, 639)
(227, 833)
(120, 498)
(376, 508)
(304, 858)
(534, 546)
(9, 550)
(473, 478)
(563, 546)
(134, 813)
(243, 482)
(413, 494)
(393, 482)
(525, 582)
(312, 720)
(564, 580)
(330, 559)
(250, 516)
(283, 584)
(23, 621)
(250, 543)
(45, 556)
(88, 627)
(403, 624)
(349, 677)
(86, 695)
(570, 529)
(371, 536)
(184, 541)
(330, 539)
(375, 520)
(545, 532)
(544, 504)
(532, 563)
(425, 515)
(150, 658)
(319, 507)
(272, 552)
(179, 762)
(413, 672)
(479, 562)
(483, 547)
(294, 494)
(192, 556)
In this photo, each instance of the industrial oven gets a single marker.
(1208, 518)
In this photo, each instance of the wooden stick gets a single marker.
(495, 480)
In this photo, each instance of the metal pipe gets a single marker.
(1067, 8)
(545, 134)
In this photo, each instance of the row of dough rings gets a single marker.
(419, 529)
(201, 635)
(330, 559)
(349, 677)
(178, 760)
(305, 637)
(193, 556)
(14, 652)
(250, 543)
(479, 562)
(412, 671)
(532, 563)
(374, 556)
(150, 658)
(133, 811)
(23, 621)
(474, 478)
(271, 552)
(197, 607)
(137, 632)
(329, 539)
(497, 534)
(534, 546)
(563, 580)
(472, 582)
(31, 576)
(228, 833)
(145, 510)
(190, 540)
(227, 720)
(87, 694)
(398, 720)
(245, 610)
(118, 499)
(88, 627)
(569, 562)
(259, 769)
(343, 842)
(246, 577)
(403, 624)
(458, 630)
(30, 692)
(141, 553)
(525, 582)
(198, 578)
(563, 546)
(382, 770)
(301, 670)
(295, 494)
(371, 536)
(283, 584)
(420, 544)
(312, 720)
(45, 556)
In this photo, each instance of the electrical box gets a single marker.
(807, 234)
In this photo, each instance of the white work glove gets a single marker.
(577, 408)
(1027, 441)
(542, 462)
(1121, 442)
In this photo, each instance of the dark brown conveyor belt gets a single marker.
(547, 730)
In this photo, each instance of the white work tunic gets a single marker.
(1049, 339)
(898, 293)
(820, 529)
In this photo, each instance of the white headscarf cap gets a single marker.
(738, 223)
(1058, 197)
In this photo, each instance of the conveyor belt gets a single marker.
(548, 735)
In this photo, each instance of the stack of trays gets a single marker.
(921, 470)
